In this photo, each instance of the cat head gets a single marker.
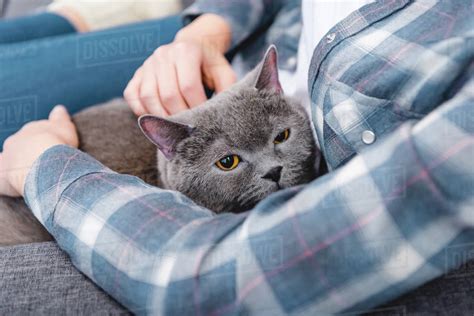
(238, 147)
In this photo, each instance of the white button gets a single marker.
(330, 38)
(368, 137)
(291, 62)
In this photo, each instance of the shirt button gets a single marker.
(330, 37)
(368, 137)
(291, 62)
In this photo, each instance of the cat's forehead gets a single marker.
(246, 119)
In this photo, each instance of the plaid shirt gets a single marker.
(255, 24)
(392, 89)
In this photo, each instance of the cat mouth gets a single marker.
(275, 187)
(284, 185)
(250, 202)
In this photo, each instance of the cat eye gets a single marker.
(282, 137)
(228, 163)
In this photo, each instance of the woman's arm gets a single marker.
(357, 237)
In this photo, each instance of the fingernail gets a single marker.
(59, 107)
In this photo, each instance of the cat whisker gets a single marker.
(248, 195)
(253, 194)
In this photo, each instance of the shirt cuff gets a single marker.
(52, 173)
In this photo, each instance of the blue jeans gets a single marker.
(44, 62)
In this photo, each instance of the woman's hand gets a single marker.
(22, 149)
(70, 14)
(171, 80)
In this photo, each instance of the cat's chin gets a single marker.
(290, 182)
(275, 187)
(285, 185)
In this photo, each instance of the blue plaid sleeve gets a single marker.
(244, 16)
(383, 224)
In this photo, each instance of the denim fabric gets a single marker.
(33, 27)
(77, 70)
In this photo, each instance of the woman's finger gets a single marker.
(131, 93)
(149, 96)
(5, 187)
(188, 71)
(170, 96)
(221, 74)
(59, 114)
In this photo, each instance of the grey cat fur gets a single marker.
(108, 132)
(243, 120)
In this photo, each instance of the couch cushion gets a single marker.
(39, 279)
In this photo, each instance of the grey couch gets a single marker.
(39, 279)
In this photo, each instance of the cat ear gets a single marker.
(267, 78)
(165, 134)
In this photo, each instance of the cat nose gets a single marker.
(273, 174)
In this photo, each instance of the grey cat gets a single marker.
(226, 155)
(238, 148)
